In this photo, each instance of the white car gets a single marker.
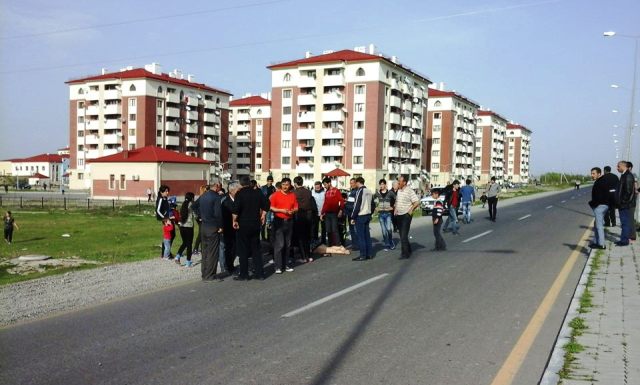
(427, 202)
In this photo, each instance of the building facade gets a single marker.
(352, 109)
(490, 146)
(249, 133)
(134, 108)
(450, 137)
(518, 149)
(43, 168)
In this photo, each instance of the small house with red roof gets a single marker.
(128, 174)
(42, 168)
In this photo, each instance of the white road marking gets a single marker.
(573, 197)
(333, 296)
(564, 201)
(525, 217)
(548, 207)
(477, 236)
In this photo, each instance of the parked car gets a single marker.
(24, 185)
(427, 202)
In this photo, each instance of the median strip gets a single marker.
(333, 296)
(477, 236)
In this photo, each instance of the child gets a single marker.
(9, 224)
(167, 229)
(436, 213)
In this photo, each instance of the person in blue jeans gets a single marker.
(361, 218)
(467, 197)
(626, 199)
(386, 201)
(348, 210)
(453, 202)
(598, 202)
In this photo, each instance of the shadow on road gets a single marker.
(581, 249)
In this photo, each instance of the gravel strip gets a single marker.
(57, 293)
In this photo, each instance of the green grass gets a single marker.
(103, 235)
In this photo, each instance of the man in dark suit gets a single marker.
(610, 180)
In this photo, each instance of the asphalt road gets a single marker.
(437, 318)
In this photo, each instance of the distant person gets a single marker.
(167, 229)
(318, 225)
(6, 189)
(303, 218)
(467, 197)
(492, 192)
(632, 234)
(386, 201)
(250, 208)
(626, 199)
(9, 225)
(44, 186)
(598, 203)
(332, 210)
(209, 208)
(406, 203)
(163, 209)
(436, 215)
(149, 193)
(577, 185)
(611, 180)
(453, 203)
(284, 205)
(361, 219)
(187, 223)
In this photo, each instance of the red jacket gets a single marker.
(333, 201)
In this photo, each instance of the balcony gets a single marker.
(416, 154)
(305, 133)
(243, 138)
(211, 117)
(171, 140)
(305, 100)
(302, 152)
(332, 133)
(333, 98)
(243, 150)
(109, 151)
(91, 139)
(407, 169)
(393, 152)
(211, 157)
(112, 95)
(335, 150)
(359, 115)
(112, 139)
(93, 110)
(243, 116)
(307, 81)
(395, 101)
(395, 135)
(113, 109)
(192, 128)
(333, 116)
(416, 139)
(394, 118)
(305, 167)
(333, 80)
(209, 130)
(406, 121)
(306, 117)
(406, 137)
(173, 98)
(172, 126)
(173, 112)
(326, 167)
(192, 100)
(112, 124)
(93, 95)
(192, 116)
(210, 143)
(418, 93)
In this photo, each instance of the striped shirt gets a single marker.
(405, 198)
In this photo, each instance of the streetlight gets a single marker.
(636, 38)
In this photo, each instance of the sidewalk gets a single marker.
(611, 340)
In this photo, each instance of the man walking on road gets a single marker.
(361, 218)
(209, 208)
(626, 198)
(598, 203)
(386, 202)
(611, 180)
(406, 202)
(467, 197)
(492, 192)
(453, 202)
(436, 214)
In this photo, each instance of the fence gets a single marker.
(73, 203)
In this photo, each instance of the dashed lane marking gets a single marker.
(477, 236)
(525, 217)
(548, 207)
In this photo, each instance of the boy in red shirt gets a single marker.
(283, 204)
(167, 229)
(331, 211)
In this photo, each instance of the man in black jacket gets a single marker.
(626, 199)
(599, 204)
(611, 180)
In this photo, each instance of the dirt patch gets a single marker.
(25, 267)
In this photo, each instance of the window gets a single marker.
(80, 105)
(132, 88)
(286, 126)
(286, 110)
(359, 89)
(132, 146)
(80, 162)
(159, 103)
(258, 144)
(435, 141)
(287, 77)
(286, 144)
(286, 94)
(159, 89)
(80, 176)
(359, 107)
(132, 117)
(159, 118)
(80, 134)
(286, 160)
(80, 91)
(259, 112)
(132, 132)
(123, 182)
(112, 182)
(436, 127)
(437, 115)
(435, 165)
(358, 159)
(258, 121)
(435, 153)
(357, 143)
(259, 134)
(358, 125)
(285, 175)
(360, 72)
(437, 103)
(80, 119)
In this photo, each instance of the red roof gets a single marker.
(490, 113)
(149, 154)
(336, 172)
(250, 101)
(42, 158)
(138, 73)
(434, 93)
(515, 126)
(39, 176)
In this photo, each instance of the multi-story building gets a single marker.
(490, 146)
(352, 109)
(249, 123)
(450, 137)
(138, 107)
(518, 148)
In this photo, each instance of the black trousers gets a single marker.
(493, 207)
(404, 225)
(196, 246)
(186, 233)
(437, 234)
(8, 234)
(248, 243)
(210, 251)
(610, 216)
(302, 230)
(318, 226)
(230, 249)
(282, 230)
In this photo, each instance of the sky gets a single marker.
(543, 64)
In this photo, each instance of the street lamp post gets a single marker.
(636, 38)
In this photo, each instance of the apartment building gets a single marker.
(450, 137)
(138, 107)
(356, 110)
(249, 124)
(490, 146)
(517, 150)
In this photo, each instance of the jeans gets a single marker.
(452, 220)
(364, 235)
(493, 207)
(404, 225)
(440, 244)
(598, 230)
(626, 216)
(466, 212)
(282, 229)
(387, 228)
(166, 248)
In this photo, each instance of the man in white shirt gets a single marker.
(406, 202)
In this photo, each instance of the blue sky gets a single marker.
(543, 64)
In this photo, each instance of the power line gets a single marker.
(147, 19)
